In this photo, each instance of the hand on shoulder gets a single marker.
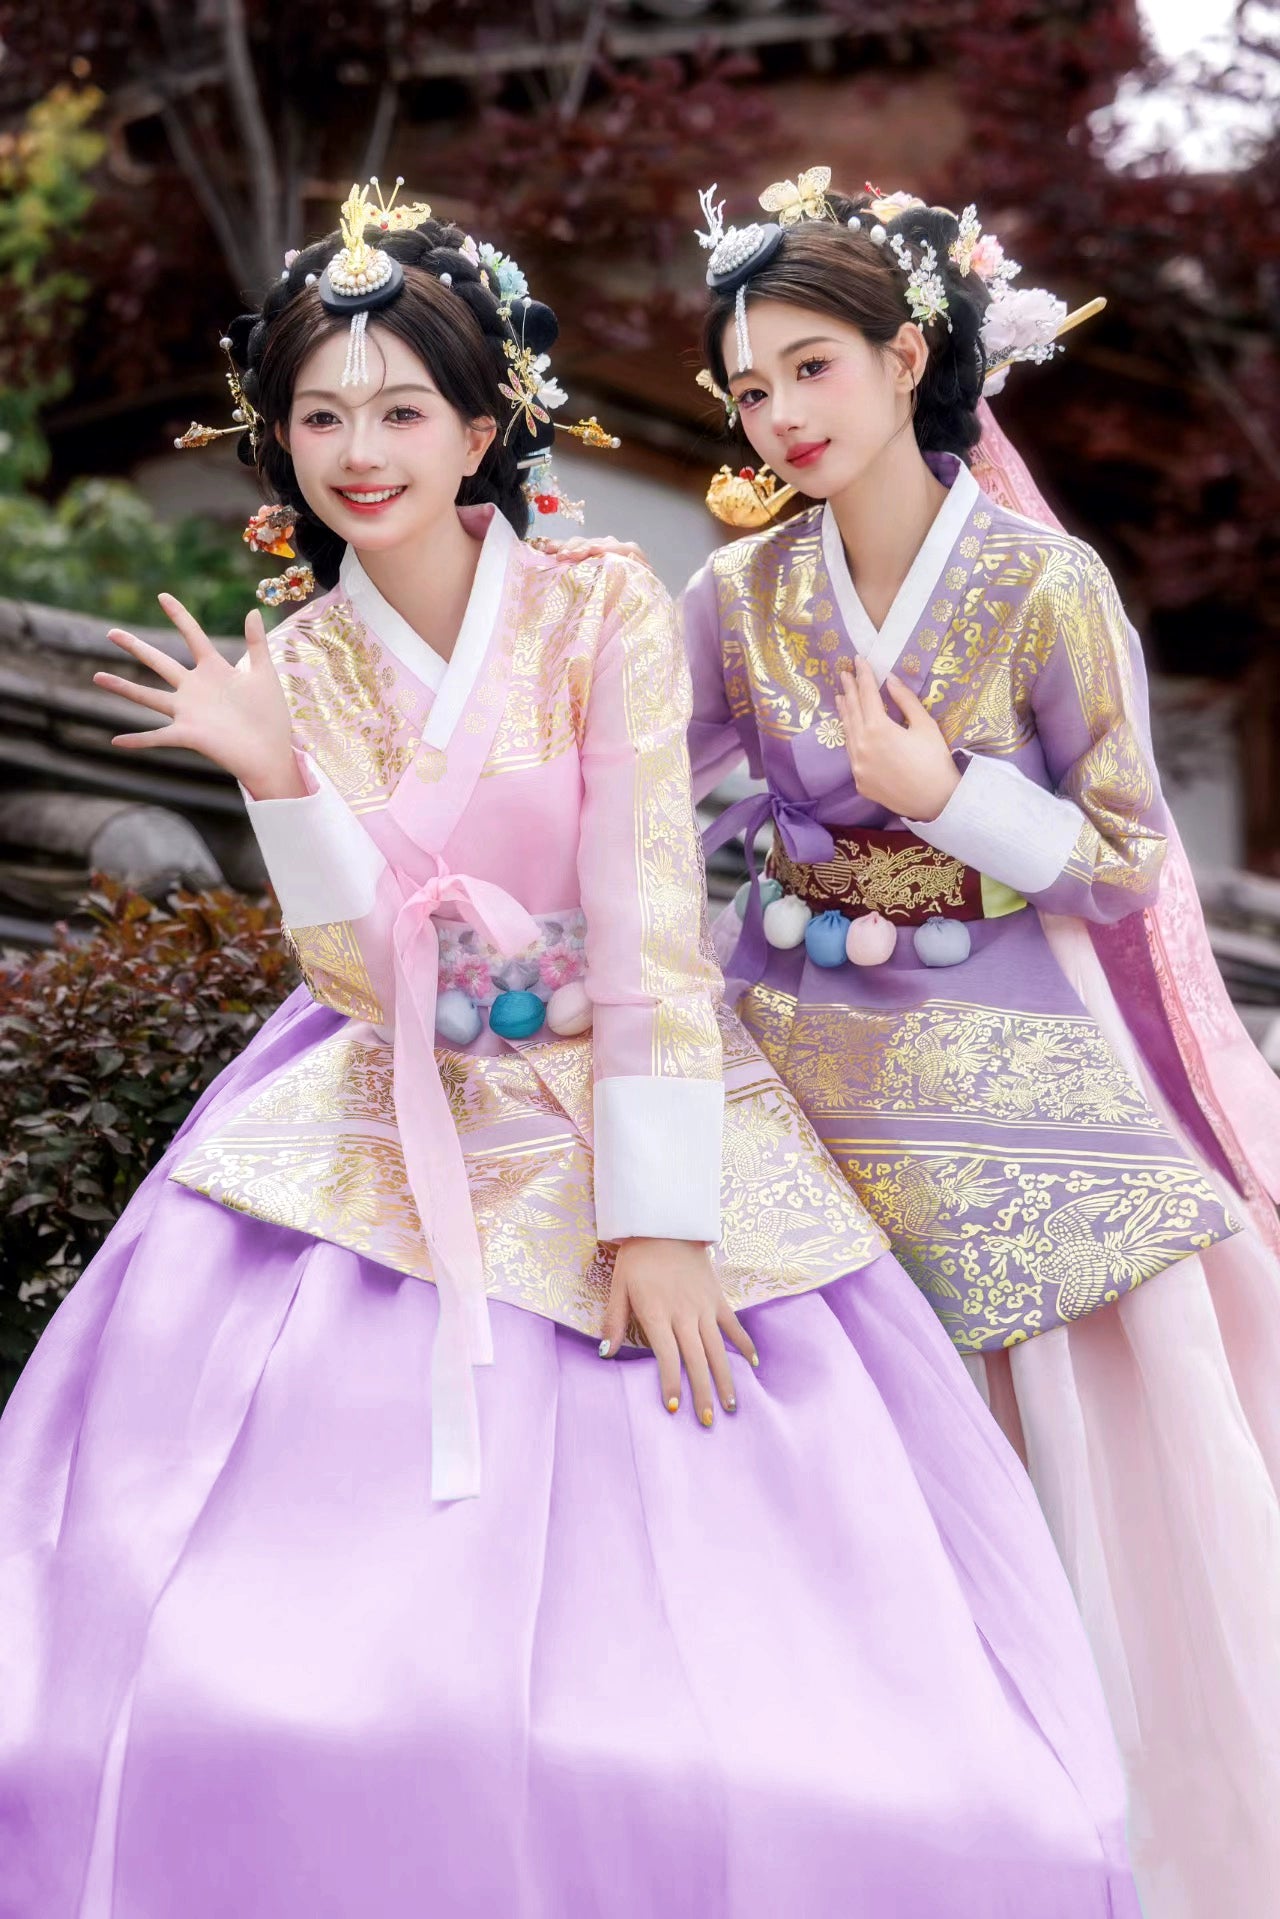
(581, 548)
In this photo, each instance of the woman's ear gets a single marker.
(283, 438)
(478, 437)
(911, 351)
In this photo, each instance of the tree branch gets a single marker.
(227, 230)
(384, 120)
(576, 86)
(246, 102)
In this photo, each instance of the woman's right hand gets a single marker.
(672, 1291)
(238, 718)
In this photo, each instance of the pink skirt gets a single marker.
(1152, 1433)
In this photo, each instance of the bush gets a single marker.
(100, 549)
(106, 1043)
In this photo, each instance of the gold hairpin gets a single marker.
(749, 498)
(245, 415)
(591, 433)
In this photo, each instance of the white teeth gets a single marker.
(370, 499)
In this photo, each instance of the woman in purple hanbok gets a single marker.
(977, 961)
(305, 1609)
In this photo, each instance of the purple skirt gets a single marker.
(818, 1661)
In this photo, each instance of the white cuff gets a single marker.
(1002, 824)
(658, 1158)
(322, 863)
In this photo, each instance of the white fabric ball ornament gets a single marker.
(457, 1017)
(569, 1010)
(786, 921)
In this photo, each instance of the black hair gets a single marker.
(450, 312)
(834, 269)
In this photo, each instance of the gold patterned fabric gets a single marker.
(977, 1109)
(332, 964)
(317, 1150)
(1020, 1173)
(352, 708)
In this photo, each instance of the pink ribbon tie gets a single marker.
(435, 1166)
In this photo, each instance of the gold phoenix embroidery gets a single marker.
(1006, 1239)
(1067, 1240)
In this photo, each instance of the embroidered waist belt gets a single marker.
(894, 874)
(469, 964)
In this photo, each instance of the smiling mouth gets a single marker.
(369, 496)
(803, 455)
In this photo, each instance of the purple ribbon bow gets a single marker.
(805, 840)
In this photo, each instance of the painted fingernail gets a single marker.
(755, 1359)
(707, 1416)
(731, 1405)
(673, 1405)
(605, 1345)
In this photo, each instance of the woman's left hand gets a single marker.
(583, 547)
(907, 768)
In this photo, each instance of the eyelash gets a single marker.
(748, 401)
(322, 418)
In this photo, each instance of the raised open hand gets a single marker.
(236, 717)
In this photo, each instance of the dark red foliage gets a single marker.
(106, 1042)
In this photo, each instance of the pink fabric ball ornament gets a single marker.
(871, 940)
(569, 1010)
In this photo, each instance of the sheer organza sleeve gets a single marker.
(654, 986)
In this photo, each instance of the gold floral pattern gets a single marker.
(331, 962)
(353, 709)
(552, 657)
(1021, 1175)
(678, 971)
(317, 1150)
(955, 1060)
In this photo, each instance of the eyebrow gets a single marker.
(405, 386)
(813, 339)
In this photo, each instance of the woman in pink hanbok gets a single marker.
(978, 962)
(362, 1550)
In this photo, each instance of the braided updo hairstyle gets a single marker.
(829, 268)
(447, 313)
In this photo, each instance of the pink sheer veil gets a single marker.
(1238, 1094)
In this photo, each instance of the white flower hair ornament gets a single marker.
(925, 289)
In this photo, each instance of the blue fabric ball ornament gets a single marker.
(517, 1015)
(770, 890)
(942, 942)
(824, 938)
(457, 1017)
